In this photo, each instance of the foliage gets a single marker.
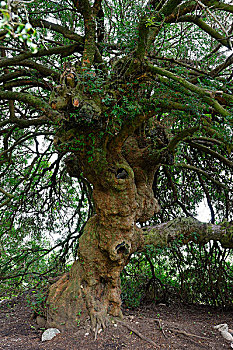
(192, 274)
(13, 21)
(25, 262)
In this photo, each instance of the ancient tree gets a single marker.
(135, 98)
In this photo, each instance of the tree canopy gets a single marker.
(114, 110)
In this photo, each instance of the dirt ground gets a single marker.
(148, 327)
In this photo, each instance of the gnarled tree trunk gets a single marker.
(122, 193)
(121, 170)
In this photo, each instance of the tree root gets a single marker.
(187, 334)
(99, 321)
(140, 335)
(160, 326)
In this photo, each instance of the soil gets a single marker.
(149, 327)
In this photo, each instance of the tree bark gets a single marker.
(123, 196)
(189, 229)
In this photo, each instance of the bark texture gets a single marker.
(189, 229)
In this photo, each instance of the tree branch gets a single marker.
(222, 66)
(13, 75)
(6, 193)
(57, 28)
(63, 50)
(28, 82)
(158, 17)
(203, 172)
(43, 70)
(186, 230)
(212, 153)
(218, 5)
(204, 94)
(204, 26)
(180, 137)
(32, 101)
(84, 7)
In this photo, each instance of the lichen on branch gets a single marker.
(188, 229)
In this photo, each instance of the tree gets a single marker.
(135, 100)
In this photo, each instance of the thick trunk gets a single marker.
(122, 191)
(92, 287)
(122, 197)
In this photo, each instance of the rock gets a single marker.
(227, 335)
(50, 333)
(223, 329)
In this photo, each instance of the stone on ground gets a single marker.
(50, 333)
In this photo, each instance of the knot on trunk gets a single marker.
(120, 250)
(122, 174)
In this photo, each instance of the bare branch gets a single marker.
(203, 93)
(203, 172)
(63, 50)
(58, 28)
(215, 154)
(218, 5)
(204, 26)
(32, 101)
(186, 230)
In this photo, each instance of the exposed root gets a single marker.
(187, 334)
(99, 321)
(160, 326)
(140, 335)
